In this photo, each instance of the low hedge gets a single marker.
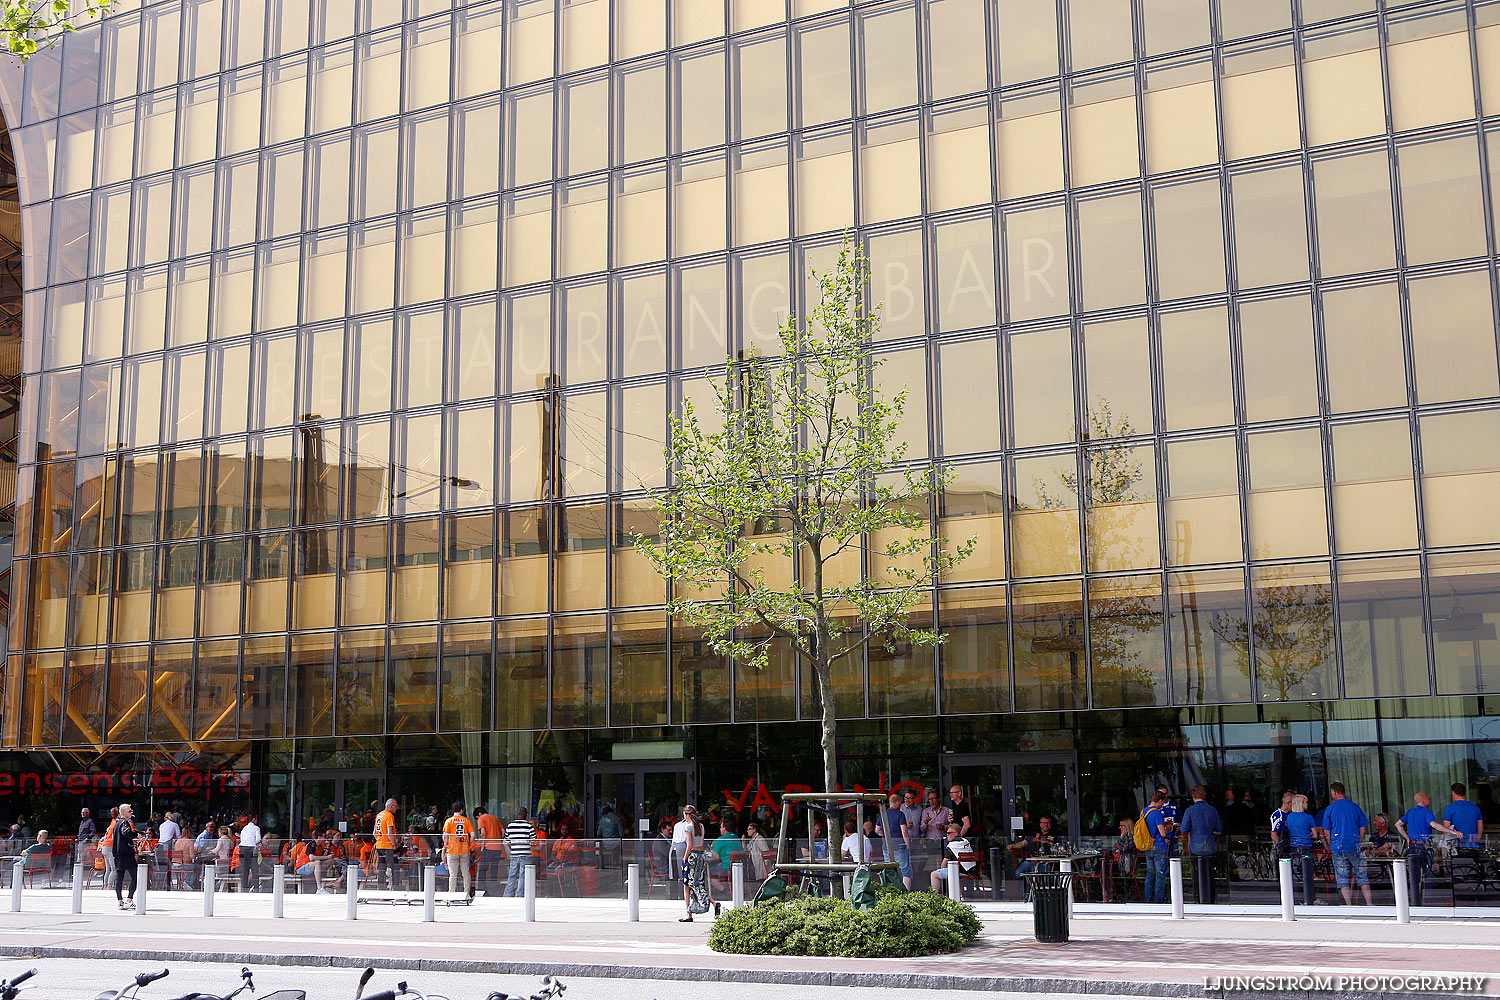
(901, 925)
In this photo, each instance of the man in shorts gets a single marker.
(898, 833)
(1344, 825)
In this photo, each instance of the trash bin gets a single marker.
(1049, 904)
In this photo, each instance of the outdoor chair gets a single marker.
(36, 866)
(970, 878)
(1095, 871)
(659, 877)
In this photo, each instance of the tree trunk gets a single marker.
(824, 672)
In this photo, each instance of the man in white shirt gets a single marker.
(166, 837)
(250, 856)
(856, 846)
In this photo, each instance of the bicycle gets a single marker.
(401, 990)
(551, 989)
(130, 989)
(247, 984)
(10, 987)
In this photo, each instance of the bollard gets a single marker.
(278, 891)
(1174, 870)
(78, 888)
(1066, 865)
(1399, 883)
(848, 882)
(15, 884)
(633, 892)
(142, 873)
(210, 877)
(955, 880)
(737, 884)
(429, 894)
(1284, 873)
(351, 892)
(529, 885)
(997, 868)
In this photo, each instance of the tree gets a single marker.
(29, 26)
(802, 466)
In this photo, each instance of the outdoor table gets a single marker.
(1058, 859)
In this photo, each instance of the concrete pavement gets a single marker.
(1122, 954)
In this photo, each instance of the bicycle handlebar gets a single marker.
(382, 995)
(146, 978)
(23, 977)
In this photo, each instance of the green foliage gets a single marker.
(900, 925)
(28, 26)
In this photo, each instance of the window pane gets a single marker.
(971, 418)
(1270, 227)
(1431, 75)
(1181, 124)
(1465, 610)
(1112, 262)
(1460, 459)
(1442, 206)
(1047, 624)
(1041, 388)
(1121, 512)
(760, 86)
(1127, 643)
(1259, 94)
(1197, 387)
(976, 674)
(1117, 366)
(1189, 239)
(1029, 134)
(1098, 32)
(1292, 610)
(1355, 232)
(1342, 86)
(1209, 637)
(1036, 262)
(1453, 337)
(966, 274)
(1044, 516)
(958, 157)
(888, 59)
(823, 69)
(1374, 501)
(1362, 339)
(973, 504)
(956, 35)
(1276, 346)
(1203, 502)
(1103, 144)
(1287, 513)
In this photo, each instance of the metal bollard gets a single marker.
(78, 888)
(1174, 871)
(210, 878)
(1399, 883)
(633, 893)
(997, 869)
(737, 884)
(15, 884)
(955, 880)
(278, 891)
(351, 892)
(142, 874)
(528, 884)
(1284, 874)
(429, 894)
(1065, 865)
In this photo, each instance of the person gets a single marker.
(1201, 826)
(123, 835)
(86, 829)
(1169, 808)
(687, 836)
(249, 855)
(224, 849)
(1238, 820)
(897, 829)
(609, 824)
(207, 838)
(726, 845)
(488, 835)
(1281, 843)
(519, 836)
(1416, 825)
(1298, 829)
(107, 844)
(1383, 840)
(458, 836)
(1127, 855)
(957, 849)
(855, 846)
(911, 808)
(959, 809)
(1161, 848)
(661, 850)
(1039, 844)
(42, 847)
(167, 834)
(1462, 818)
(872, 834)
(757, 848)
(933, 824)
(1344, 824)
(385, 844)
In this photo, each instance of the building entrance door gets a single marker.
(1008, 793)
(347, 799)
(639, 794)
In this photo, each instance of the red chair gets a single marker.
(659, 877)
(1095, 872)
(969, 877)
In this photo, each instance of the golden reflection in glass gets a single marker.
(1127, 642)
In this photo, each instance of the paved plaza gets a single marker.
(1122, 954)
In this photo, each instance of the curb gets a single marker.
(888, 980)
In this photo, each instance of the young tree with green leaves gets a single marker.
(28, 26)
(803, 465)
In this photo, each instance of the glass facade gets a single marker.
(353, 327)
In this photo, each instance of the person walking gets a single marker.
(458, 838)
(1344, 824)
(488, 834)
(1161, 848)
(1201, 826)
(386, 840)
(1416, 825)
(123, 835)
(1298, 830)
(689, 834)
(897, 832)
(107, 846)
(249, 852)
(519, 836)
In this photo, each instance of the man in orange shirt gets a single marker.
(385, 844)
(490, 835)
(458, 837)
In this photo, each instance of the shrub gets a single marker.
(902, 925)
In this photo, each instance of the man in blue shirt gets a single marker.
(1417, 826)
(1161, 848)
(1344, 825)
(1200, 826)
(1463, 818)
(898, 835)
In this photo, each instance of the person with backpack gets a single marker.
(1158, 835)
(122, 845)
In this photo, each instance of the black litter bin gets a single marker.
(1049, 904)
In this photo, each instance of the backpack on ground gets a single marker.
(1144, 839)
